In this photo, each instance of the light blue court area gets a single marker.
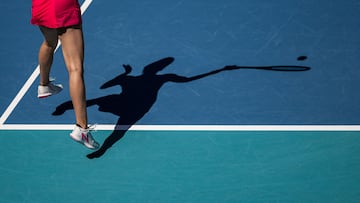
(184, 113)
(167, 166)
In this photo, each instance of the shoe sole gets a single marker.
(41, 96)
(44, 96)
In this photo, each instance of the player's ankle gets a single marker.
(78, 125)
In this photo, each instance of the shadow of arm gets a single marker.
(117, 80)
(177, 78)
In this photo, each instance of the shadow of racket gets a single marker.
(288, 68)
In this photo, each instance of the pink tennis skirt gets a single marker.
(55, 13)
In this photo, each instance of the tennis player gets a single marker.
(61, 20)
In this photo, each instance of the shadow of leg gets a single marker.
(114, 137)
(68, 105)
(62, 108)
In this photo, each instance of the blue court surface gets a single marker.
(180, 127)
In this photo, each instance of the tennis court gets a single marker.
(194, 131)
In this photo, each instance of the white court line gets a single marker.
(31, 79)
(191, 127)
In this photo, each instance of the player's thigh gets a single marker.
(50, 36)
(73, 46)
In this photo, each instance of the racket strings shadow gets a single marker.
(138, 95)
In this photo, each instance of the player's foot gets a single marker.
(84, 136)
(48, 90)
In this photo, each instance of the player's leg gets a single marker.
(46, 54)
(73, 51)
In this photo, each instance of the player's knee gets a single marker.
(75, 69)
(50, 44)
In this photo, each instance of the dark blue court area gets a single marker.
(194, 101)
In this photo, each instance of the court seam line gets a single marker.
(32, 78)
(187, 127)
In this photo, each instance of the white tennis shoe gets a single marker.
(84, 137)
(48, 90)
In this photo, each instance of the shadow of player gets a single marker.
(138, 95)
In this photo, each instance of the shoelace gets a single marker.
(91, 128)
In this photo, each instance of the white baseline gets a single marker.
(188, 127)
